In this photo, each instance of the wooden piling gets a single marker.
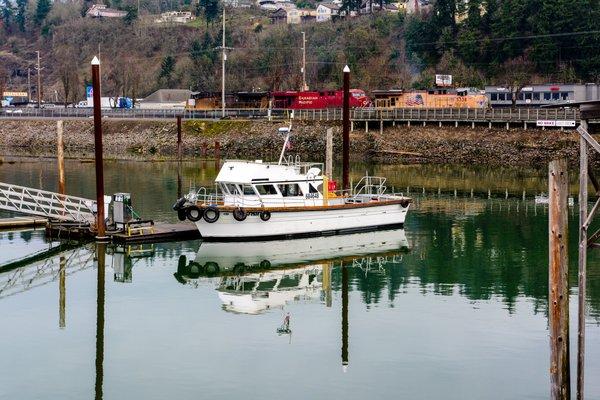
(60, 155)
(62, 292)
(217, 150)
(329, 154)
(582, 260)
(558, 296)
(345, 283)
(100, 229)
(179, 144)
(346, 130)
(100, 292)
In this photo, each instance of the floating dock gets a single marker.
(21, 222)
(150, 234)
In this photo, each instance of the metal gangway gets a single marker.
(46, 204)
(46, 270)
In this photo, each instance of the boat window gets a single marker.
(248, 190)
(265, 189)
(313, 189)
(290, 190)
(231, 188)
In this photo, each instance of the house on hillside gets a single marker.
(327, 11)
(301, 15)
(175, 17)
(371, 6)
(102, 11)
(279, 16)
(238, 3)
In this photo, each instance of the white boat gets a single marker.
(257, 276)
(255, 200)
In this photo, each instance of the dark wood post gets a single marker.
(179, 146)
(98, 148)
(344, 317)
(558, 299)
(60, 155)
(346, 130)
(100, 255)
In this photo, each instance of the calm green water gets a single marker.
(453, 306)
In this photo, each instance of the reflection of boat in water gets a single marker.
(256, 276)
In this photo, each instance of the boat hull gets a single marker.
(299, 223)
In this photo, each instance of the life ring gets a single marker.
(265, 215)
(239, 214)
(181, 215)
(211, 214)
(193, 213)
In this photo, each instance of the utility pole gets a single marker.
(39, 81)
(304, 86)
(223, 58)
(28, 84)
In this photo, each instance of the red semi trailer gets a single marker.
(296, 100)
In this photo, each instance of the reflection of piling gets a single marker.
(327, 283)
(98, 148)
(101, 254)
(346, 130)
(558, 281)
(344, 317)
(62, 292)
(60, 155)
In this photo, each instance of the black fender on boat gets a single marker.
(194, 213)
(179, 204)
(211, 214)
(239, 214)
(265, 215)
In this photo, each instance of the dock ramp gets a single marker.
(46, 204)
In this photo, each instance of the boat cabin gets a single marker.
(258, 184)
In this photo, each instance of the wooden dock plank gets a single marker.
(162, 233)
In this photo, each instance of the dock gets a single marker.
(21, 222)
(156, 233)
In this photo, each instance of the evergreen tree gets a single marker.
(167, 68)
(41, 11)
(20, 16)
(131, 14)
(7, 14)
(210, 9)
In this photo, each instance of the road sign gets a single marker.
(559, 123)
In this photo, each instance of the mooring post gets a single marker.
(329, 154)
(60, 155)
(98, 149)
(62, 292)
(179, 145)
(582, 260)
(100, 292)
(558, 296)
(346, 130)
(344, 317)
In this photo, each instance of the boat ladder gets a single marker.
(42, 203)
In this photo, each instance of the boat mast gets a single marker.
(287, 140)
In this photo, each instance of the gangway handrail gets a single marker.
(47, 204)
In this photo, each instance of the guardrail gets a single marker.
(332, 114)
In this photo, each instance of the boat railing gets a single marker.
(370, 185)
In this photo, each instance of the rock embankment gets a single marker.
(156, 140)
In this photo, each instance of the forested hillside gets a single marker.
(507, 42)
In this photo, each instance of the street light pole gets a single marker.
(39, 81)
(224, 58)
(304, 86)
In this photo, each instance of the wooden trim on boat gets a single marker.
(404, 202)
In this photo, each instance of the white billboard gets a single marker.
(443, 80)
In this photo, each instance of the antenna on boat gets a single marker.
(287, 130)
